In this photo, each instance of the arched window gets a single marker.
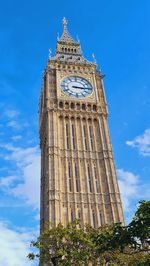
(83, 106)
(100, 217)
(72, 216)
(61, 104)
(94, 220)
(91, 137)
(89, 179)
(79, 214)
(69, 177)
(94, 108)
(85, 137)
(67, 136)
(96, 179)
(76, 177)
(73, 137)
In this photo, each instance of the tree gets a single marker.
(107, 245)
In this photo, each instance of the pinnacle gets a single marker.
(66, 36)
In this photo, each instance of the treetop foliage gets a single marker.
(108, 245)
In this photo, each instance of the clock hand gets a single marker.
(76, 87)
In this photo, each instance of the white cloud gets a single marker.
(129, 187)
(6, 182)
(13, 124)
(142, 143)
(16, 138)
(17, 125)
(14, 246)
(11, 113)
(27, 173)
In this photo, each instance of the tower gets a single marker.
(78, 177)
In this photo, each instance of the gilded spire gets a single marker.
(66, 36)
(65, 22)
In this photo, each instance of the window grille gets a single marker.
(94, 222)
(91, 137)
(89, 179)
(69, 177)
(96, 179)
(76, 178)
(100, 217)
(85, 137)
(67, 136)
(73, 137)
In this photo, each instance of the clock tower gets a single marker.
(78, 177)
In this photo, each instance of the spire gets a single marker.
(66, 36)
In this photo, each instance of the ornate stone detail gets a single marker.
(77, 169)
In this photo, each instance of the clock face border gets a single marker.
(76, 86)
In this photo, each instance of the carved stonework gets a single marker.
(77, 164)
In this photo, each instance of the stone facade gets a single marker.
(78, 177)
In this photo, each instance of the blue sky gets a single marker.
(118, 33)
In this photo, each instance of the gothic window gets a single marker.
(83, 106)
(69, 177)
(72, 105)
(94, 108)
(89, 179)
(91, 137)
(67, 136)
(79, 214)
(73, 137)
(100, 217)
(76, 177)
(93, 217)
(96, 179)
(61, 104)
(72, 218)
(85, 137)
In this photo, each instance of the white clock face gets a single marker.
(77, 87)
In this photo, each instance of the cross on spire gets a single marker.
(65, 22)
(66, 36)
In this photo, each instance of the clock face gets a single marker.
(77, 87)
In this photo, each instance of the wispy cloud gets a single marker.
(16, 138)
(6, 182)
(142, 143)
(11, 113)
(129, 187)
(27, 173)
(17, 125)
(132, 191)
(13, 124)
(14, 246)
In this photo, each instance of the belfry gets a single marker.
(78, 177)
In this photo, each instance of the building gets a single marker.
(78, 177)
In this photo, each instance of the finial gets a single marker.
(94, 58)
(57, 36)
(49, 53)
(78, 40)
(65, 23)
(43, 72)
